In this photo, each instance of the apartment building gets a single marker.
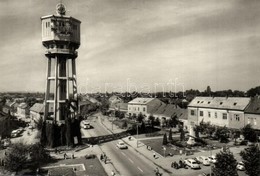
(252, 113)
(145, 106)
(219, 111)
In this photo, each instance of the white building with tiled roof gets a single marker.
(252, 113)
(36, 112)
(144, 106)
(219, 111)
(23, 110)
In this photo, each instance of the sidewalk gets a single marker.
(162, 162)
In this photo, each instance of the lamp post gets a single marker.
(210, 153)
(137, 125)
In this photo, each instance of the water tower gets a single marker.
(61, 38)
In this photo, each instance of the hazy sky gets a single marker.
(142, 43)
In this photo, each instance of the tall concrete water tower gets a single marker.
(61, 38)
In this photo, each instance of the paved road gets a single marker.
(128, 162)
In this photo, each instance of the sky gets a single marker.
(138, 45)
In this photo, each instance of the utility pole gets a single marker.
(137, 135)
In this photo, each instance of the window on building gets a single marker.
(216, 115)
(129, 108)
(143, 108)
(224, 116)
(192, 112)
(237, 117)
(201, 113)
(138, 109)
(221, 103)
(209, 114)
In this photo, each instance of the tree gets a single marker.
(225, 165)
(222, 134)
(16, 157)
(173, 122)
(253, 91)
(140, 117)
(122, 115)
(117, 113)
(124, 125)
(182, 134)
(157, 122)
(249, 133)
(170, 135)
(208, 91)
(165, 139)
(38, 155)
(251, 159)
(151, 119)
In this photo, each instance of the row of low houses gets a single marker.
(149, 107)
(36, 112)
(232, 112)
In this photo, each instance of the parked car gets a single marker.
(203, 160)
(212, 159)
(90, 156)
(197, 160)
(121, 145)
(86, 125)
(240, 166)
(192, 163)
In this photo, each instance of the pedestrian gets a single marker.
(105, 161)
(101, 157)
(157, 170)
(154, 155)
(56, 150)
(65, 156)
(72, 155)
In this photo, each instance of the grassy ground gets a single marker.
(92, 167)
(156, 145)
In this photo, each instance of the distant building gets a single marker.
(252, 113)
(219, 111)
(145, 106)
(23, 111)
(85, 107)
(91, 99)
(10, 107)
(114, 99)
(36, 112)
(166, 112)
(121, 107)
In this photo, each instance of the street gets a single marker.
(128, 161)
